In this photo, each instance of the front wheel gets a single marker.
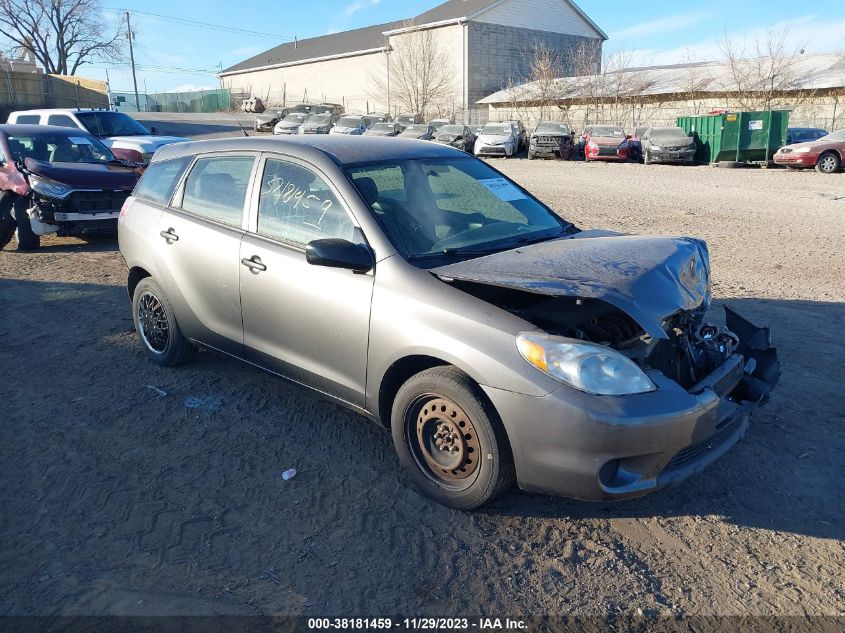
(646, 158)
(156, 325)
(450, 439)
(27, 238)
(828, 163)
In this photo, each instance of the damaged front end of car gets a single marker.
(682, 394)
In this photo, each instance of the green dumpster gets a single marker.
(737, 137)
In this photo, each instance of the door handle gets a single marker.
(169, 235)
(254, 264)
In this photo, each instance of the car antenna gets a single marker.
(241, 126)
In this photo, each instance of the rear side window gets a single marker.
(62, 120)
(28, 119)
(216, 188)
(160, 179)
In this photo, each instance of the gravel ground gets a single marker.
(132, 489)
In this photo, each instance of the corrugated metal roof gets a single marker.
(346, 42)
(809, 72)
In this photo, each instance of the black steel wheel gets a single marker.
(156, 325)
(450, 440)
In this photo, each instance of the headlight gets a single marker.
(803, 150)
(586, 366)
(47, 187)
(657, 148)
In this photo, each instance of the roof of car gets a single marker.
(339, 148)
(29, 129)
(62, 111)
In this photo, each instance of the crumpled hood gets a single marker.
(87, 176)
(493, 139)
(607, 141)
(649, 278)
(143, 143)
(446, 138)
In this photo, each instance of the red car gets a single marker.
(826, 154)
(606, 142)
(60, 180)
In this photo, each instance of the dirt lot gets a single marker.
(117, 498)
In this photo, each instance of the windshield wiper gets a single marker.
(454, 252)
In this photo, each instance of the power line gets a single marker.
(206, 25)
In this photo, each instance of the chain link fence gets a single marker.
(217, 100)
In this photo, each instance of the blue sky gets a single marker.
(659, 31)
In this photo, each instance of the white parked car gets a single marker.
(291, 123)
(497, 139)
(116, 130)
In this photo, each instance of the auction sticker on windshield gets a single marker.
(502, 189)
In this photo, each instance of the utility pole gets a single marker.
(132, 60)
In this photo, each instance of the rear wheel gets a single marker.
(27, 239)
(828, 163)
(450, 440)
(156, 325)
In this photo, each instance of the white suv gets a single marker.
(117, 130)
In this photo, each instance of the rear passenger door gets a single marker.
(198, 243)
(309, 323)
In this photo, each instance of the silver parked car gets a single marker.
(422, 288)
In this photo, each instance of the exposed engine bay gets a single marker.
(692, 349)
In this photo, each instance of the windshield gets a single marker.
(834, 137)
(606, 130)
(435, 208)
(438, 124)
(669, 134)
(416, 129)
(406, 118)
(59, 148)
(320, 119)
(548, 127)
(457, 130)
(295, 117)
(383, 127)
(497, 129)
(349, 122)
(111, 124)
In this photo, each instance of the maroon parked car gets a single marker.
(60, 180)
(826, 154)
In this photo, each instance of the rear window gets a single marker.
(28, 119)
(159, 180)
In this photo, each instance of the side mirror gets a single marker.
(629, 136)
(338, 253)
(153, 130)
(131, 155)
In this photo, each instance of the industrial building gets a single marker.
(483, 44)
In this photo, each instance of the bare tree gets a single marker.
(533, 90)
(763, 70)
(62, 35)
(421, 74)
(692, 81)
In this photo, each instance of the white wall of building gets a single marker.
(346, 80)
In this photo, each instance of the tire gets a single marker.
(479, 465)
(530, 155)
(728, 164)
(151, 309)
(646, 157)
(828, 163)
(8, 224)
(27, 239)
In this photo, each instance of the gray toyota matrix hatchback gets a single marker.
(422, 288)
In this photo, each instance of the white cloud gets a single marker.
(660, 25)
(356, 6)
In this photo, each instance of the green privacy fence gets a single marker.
(218, 100)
